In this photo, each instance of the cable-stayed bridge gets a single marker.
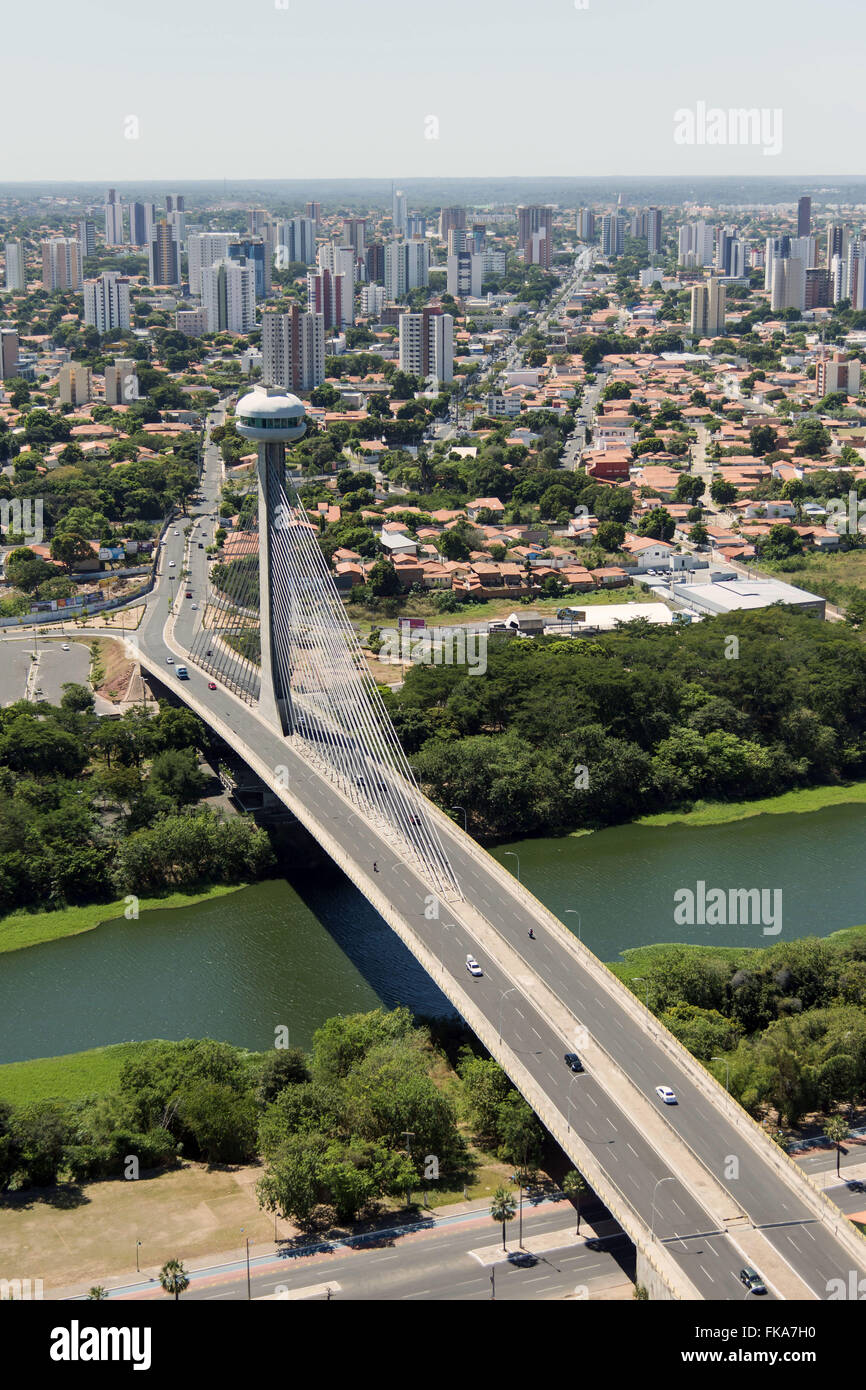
(699, 1188)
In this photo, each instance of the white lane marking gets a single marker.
(707, 1273)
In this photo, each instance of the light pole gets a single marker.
(463, 809)
(577, 915)
(501, 998)
(653, 1208)
(510, 854)
(640, 979)
(409, 1135)
(249, 1292)
(727, 1070)
(137, 1248)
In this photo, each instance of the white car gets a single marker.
(64, 646)
(666, 1094)
(171, 564)
(473, 967)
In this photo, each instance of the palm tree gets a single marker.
(502, 1208)
(836, 1130)
(97, 1293)
(574, 1185)
(174, 1278)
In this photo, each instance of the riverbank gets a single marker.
(637, 960)
(723, 812)
(22, 929)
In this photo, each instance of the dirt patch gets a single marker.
(112, 669)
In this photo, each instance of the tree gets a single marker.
(27, 571)
(780, 544)
(70, 548)
(574, 1186)
(174, 1278)
(722, 492)
(762, 439)
(658, 523)
(837, 1131)
(383, 579)
(503, 1208)
(699, 535)
(97, 1293)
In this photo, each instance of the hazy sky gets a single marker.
(347, 88)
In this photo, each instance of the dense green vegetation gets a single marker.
(332, 1127)
(788, 1021)
(658, 717)
(91, 808)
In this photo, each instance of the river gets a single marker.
(293, 953)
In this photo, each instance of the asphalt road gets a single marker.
(57, 668)
(711, 1260)
(433, 1262)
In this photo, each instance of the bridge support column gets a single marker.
(274, 698)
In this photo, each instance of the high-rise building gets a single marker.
(142, 217)
(293, 350)
(406, 267)
(163, 254)
(739, 257)
(586, 224)
(467, 271)
(174, 202)
(837, 372)
(448, 218)
(372, 300)
(855, 273)
(8, 353)
(113, 219)
(788, 283)
(61, 263)
(228, 295)
(121, 382)
(459, 240)
(257, 221)
(295, 241)
(837, 242)
(398, 211)
(416, 224)
(695, 241)
(459, 274)
(192, 322)
(254, 251)
(725, 238)
(16, 274)
(427, 344)
(339, 262)
(535, 234)
(73, 386)
(331, 295)
(804, 216)
(375, 259)
(818, 288)
(87, 236)
(612, 234)
(106, 302)
(355, 235)
(314, 210)
(647, 226)
(707, 318)
(203, 249)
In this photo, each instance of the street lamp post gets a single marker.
(249, 1291)
(137, 1248)
(653, 1208)
(727, 1070)
(577, 915)
(640, 979)
(510, 854)
(501, 998)
(463, 809)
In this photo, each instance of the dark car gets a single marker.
(855, 1186)
(752, 1280)
(573, 1061)
(523, 1259)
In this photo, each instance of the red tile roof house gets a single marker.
(480, 504)
(611, 577)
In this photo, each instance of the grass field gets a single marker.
(721, 812)
(70, 1077)
(836, 577)
(22, 929)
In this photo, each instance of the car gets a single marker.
(604, 1242)
(473, 967)
(195, 607)
(171, 564)
(855, 1186)
(524, 1259)
(211, 685)
(666, 1094)
(201, 545)
(189, 593)
(573, 1061)
(64, 646)
(169, 661)
(175, 533)
(752, 1280)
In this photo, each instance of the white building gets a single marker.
(74, 384)
(427, 344)
(696, 244)
(228, 295)
(293, 350)
(372, 300)
(204, 249)
(121, 382)
(399, 210)
(406, 267)
(788, 283)
(106, 302)
(16, 275)
(298, 238)
(61, 263)
(113, 219)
